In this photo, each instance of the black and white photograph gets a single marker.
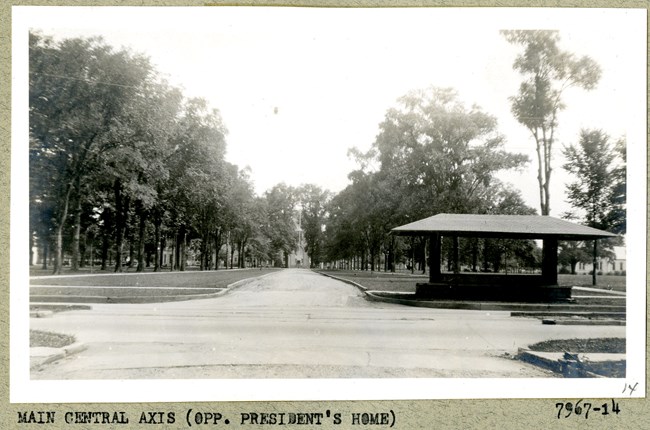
(298, 203)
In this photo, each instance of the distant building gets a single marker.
(298, 257)
(611, 266)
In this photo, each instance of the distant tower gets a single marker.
(299, 257)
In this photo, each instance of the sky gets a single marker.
(298, 87)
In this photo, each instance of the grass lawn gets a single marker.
(136, 287)
(189, 279)
(48, 339)
(609, 344)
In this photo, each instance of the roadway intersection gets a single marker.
(296, 324)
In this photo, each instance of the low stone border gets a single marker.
(62, 353)
(582, 322)
(40, 314)
(576, 365)
(347, 281)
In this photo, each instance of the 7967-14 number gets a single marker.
(566, 409)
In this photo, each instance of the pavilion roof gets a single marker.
(504, 226)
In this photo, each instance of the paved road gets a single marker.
(296, 324)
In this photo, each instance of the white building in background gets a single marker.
(299, 257)
(608, 266)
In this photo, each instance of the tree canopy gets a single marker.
(126, 170)
(432, 155)
(548, 72)
(122, 160)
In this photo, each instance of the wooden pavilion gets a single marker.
(490, 286)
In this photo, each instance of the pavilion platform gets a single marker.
(492, 287)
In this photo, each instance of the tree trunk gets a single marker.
(184, 251)
(163, 246)
(159, 249)
(83, 245)
(58, 256)
(424, 256)
(240, 260)
(573, 264)
(474, 254)
(131, 250)
(142, 227)
(77, 230)
(92, 257)
(486, 261)
(46, 251)
(31, 249)
(202, 256)
(540, 178)
(120, 223)
(455, 255)
(172, 260)
(105, 246)
(595, 262)
(217, 247)
(106, 237)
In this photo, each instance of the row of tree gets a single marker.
(123, 166)
(435, 155)
(432, 155)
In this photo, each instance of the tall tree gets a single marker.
(548, 72)
(439, 155)
(77, 91)
(432, 155)
(618, 215)
(200, 180)
(592, 162)
(280, 226)
(596, 191)
(313, 202)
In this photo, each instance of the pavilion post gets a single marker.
(595, 262)
(434, 257)
(549, 261)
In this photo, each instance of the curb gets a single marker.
(241, 282)
(40, 314)
(62, 353)
(609, 322)
(571, 365)
(347, 281)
